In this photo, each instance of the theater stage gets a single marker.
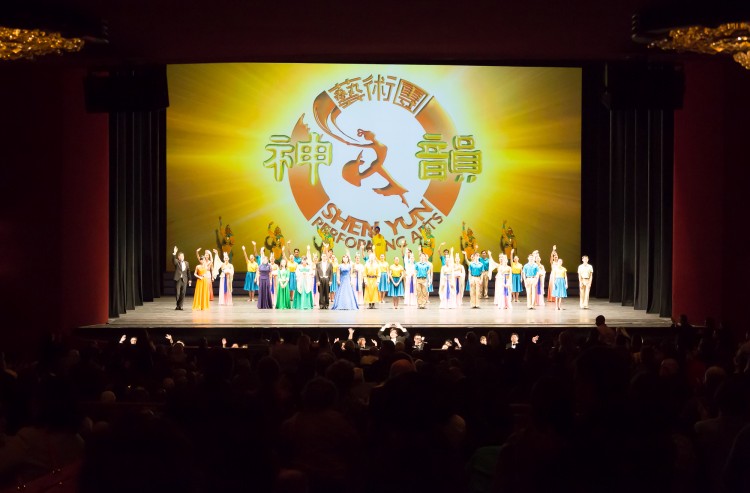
(245, 321)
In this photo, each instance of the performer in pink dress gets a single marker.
(226, 276)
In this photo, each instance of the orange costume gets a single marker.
(201, 297)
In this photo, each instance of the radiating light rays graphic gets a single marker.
(526, 121)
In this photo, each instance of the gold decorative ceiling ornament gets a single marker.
(16, 44)
(732, 38)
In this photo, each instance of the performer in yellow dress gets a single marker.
(395, 282)
(201, 296)
(209, 263)
(378, 243)
(372, 274)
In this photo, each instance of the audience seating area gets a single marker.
(562, 412)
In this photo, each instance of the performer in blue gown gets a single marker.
(264, 282)
(346, 298)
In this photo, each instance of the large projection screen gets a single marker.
(322, 153)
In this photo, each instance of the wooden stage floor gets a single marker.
(161, 314)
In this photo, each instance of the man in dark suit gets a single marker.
(396, 333)
(514, 343)
(323, 274)
(182, 277)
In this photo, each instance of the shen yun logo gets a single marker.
(380, 151)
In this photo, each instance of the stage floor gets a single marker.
(161, 314)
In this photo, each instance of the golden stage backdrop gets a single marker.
(321, 153)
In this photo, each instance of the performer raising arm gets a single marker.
(226, 277)
(264, 282)
(552, 262)
(252, 271)
(209, 261)
(303, 300)
(182, 277)
(201, 296)
(503, 284)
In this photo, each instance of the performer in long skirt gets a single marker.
(552, 262)
(226, 277)
(504, 285)
(346, 299)
(274, 278)
(410, 280)
(446, 286)
(516, 268)
(210, 268)
(202, 285)
(283, 285)
(303, 300)
(358, 276)
(459, 278)
(395, 282)
(264, 282)
(561, 283)
(383, 279)
(372, 274)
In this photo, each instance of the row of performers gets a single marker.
(304, 281)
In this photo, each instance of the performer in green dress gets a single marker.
(303, 300)
(282, 293)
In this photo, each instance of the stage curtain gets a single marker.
(626, 199)
(137, 208)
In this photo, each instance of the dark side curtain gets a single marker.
(627, 170)
(137, 207)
